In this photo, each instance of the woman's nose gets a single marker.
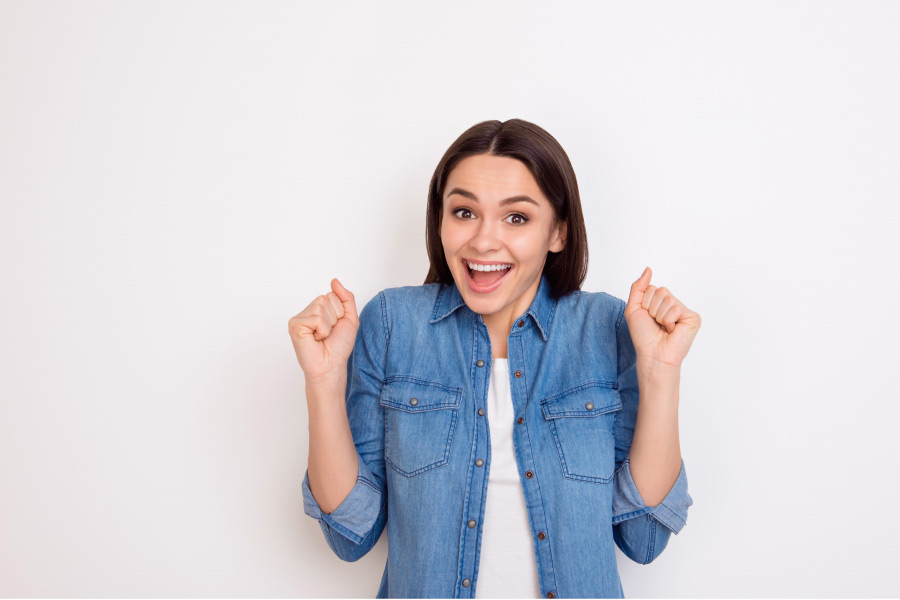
(486, 237)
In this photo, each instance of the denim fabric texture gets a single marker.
(417, 377)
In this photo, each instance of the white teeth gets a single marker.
(477, 267)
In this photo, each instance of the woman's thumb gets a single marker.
(345, 296)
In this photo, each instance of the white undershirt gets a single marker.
(507, 567)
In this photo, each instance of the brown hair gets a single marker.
(550, 166)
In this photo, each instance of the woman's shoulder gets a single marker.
(413, 295)
(587, 306)
(408, 300)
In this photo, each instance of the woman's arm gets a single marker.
(343, 358)
(655, 455)
(333, 461)
(324, 335)
(650, 501)
(662, 329)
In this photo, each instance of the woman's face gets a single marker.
(494, 213)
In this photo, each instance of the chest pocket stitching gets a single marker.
(584, 438)
(418, 437)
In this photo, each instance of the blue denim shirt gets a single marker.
(417, 399)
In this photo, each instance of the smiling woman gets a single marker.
(518, 156)
(488, 419)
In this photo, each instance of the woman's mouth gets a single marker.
(485, 278)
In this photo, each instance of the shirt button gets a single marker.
(520, 420)
(541, 535)
(481, 412)
(589, 406)
(521, 323)
(478, 462)
(467, 583)
(551, 595)
(471, 523)
(480, 363)
(529, 474)
(518, 373)
(413, 401)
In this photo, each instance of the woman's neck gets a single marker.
(500, 323)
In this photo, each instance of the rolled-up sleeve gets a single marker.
(352, 529)
(636, 529)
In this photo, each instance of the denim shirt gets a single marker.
(417, 403)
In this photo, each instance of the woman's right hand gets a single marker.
(323, 335)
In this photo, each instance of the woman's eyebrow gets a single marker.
(504, 202)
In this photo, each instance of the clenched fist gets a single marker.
(323, 335)
(662, 327)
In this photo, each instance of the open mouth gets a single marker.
(489, 276)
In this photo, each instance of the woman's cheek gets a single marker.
(447, 239)
(527, 249)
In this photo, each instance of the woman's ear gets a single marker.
(559, 237)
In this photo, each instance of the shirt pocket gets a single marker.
(419, 420)
(582, 423)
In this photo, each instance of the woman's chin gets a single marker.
(483, 304)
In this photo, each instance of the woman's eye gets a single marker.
(465, 214)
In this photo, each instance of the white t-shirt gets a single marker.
(507, 567)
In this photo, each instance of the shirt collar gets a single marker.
(541, 309)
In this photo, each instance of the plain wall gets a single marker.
(178, 179)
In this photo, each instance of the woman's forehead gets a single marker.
(486, 178)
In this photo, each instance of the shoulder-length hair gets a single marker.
(550, 166)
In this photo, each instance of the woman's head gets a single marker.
(539, 229)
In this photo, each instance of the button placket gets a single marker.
(524, 456)
(481, 384)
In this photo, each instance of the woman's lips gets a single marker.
(483, 288)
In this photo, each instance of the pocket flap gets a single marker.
(417, 395)
(586, 400)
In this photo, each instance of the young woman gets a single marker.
(508, 428)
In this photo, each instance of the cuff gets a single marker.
(628, 504)
(356, 515)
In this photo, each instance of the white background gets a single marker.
(178, 179)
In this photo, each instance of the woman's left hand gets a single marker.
(662, 327)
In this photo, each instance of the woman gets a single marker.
(489, 418)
